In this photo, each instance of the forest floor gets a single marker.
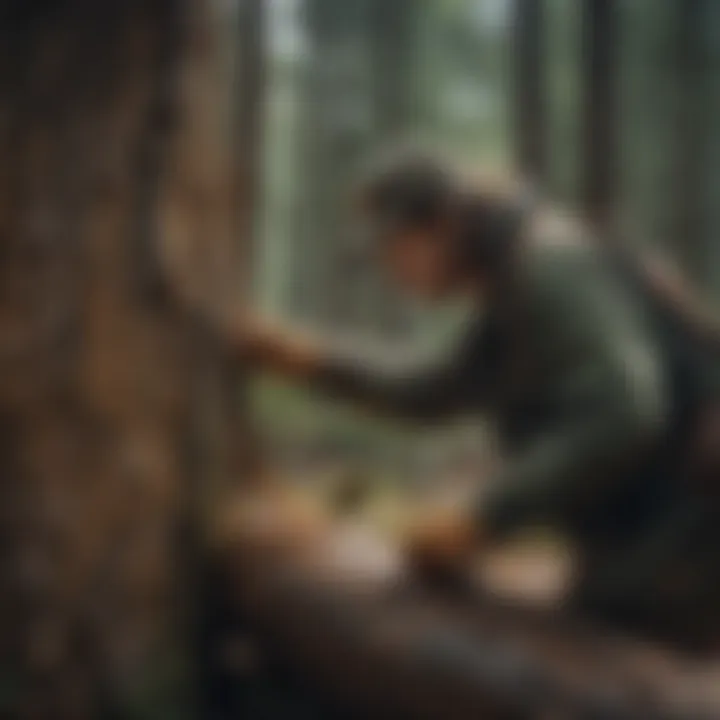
(521, 585)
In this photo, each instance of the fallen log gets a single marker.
(346, 613)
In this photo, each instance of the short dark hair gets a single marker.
(413, 189)
(409, 189)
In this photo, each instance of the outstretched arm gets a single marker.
(610, 390)
(410, 388)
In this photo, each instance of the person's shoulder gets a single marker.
(554, 232)
(557, 246)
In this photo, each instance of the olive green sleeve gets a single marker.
(608, 383)
(414, 388)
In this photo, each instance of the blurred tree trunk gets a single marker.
(646, 61)
(696, 78)
(115, 220)
(229, 284)
(711, 30)
(530, 95)
(336, 130)
(563, 49)
(358, 93)
(395, 31)
(393, 46)
(250, 82)
(600, 111)
(227, 437)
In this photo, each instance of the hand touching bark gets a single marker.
(263, 345)
(442, 541)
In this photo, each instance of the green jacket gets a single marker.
(566, 360)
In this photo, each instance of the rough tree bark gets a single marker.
(114, 178)
(249, 95)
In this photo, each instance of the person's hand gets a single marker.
(251, 336)
(274, 520)
(261, 344)
(442, 541)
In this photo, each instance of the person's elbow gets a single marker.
(425, 408)
(639, 408)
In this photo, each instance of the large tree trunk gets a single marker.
(249, 97)
(114, 178)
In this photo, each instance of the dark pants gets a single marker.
(653, 566)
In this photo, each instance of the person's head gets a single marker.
(436, 234)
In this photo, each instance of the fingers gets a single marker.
(275, 521)
(441, 541)
(262, 345)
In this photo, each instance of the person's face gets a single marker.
(421, 262)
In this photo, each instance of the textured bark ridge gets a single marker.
(115, 219)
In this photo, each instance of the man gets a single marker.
(594, 381)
